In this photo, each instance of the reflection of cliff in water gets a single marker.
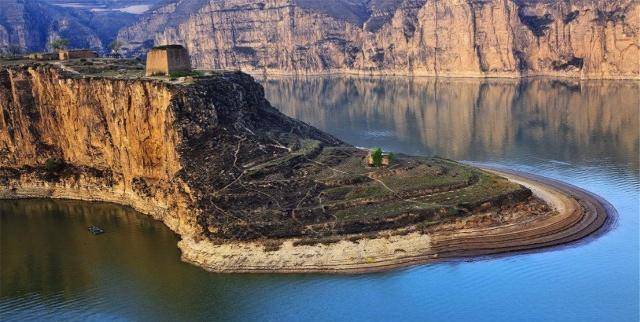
(470, 118)
(52, 266)
(46, 248)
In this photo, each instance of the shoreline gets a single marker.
(444, 75)
(580, 214)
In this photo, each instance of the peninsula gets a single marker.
(249, 189)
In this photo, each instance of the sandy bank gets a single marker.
(578, 214)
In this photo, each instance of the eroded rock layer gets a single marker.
(588, 39)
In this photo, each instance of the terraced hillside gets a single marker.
(317, 191)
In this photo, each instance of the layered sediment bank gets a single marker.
(251, 190)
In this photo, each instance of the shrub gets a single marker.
(272, 245)
(376, 156)
(194, 73)
(54, 165)
(59, 44)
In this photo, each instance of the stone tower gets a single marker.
(167, 59)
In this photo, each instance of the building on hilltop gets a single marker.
(168, 59)
(43, 56)
(77, 53)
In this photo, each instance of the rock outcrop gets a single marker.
(584, 38)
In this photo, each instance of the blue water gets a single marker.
(584, 133)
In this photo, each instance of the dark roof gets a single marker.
(168, 47)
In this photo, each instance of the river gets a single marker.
(583, 133)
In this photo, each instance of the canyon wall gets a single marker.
(583, 38)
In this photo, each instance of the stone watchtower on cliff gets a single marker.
(168, 59)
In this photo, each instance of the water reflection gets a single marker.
(474, 119)
(584, 133)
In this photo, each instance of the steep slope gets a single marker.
(588, 39)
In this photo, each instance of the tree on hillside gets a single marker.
(59, 44)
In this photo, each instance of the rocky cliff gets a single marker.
(102, 139)
(159, 147)
(583, 38)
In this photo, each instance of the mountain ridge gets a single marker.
(510, 38)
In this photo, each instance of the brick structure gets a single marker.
(164, 60)
(78, 53)
(43, 56)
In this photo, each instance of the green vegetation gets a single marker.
(194, 73)
(59, 44)
(376, 157)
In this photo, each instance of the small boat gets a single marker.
(95, 230)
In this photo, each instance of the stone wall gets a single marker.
(75, 54)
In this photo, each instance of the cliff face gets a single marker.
(115, 137)
(589, 39)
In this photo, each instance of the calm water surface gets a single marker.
(584, 133)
